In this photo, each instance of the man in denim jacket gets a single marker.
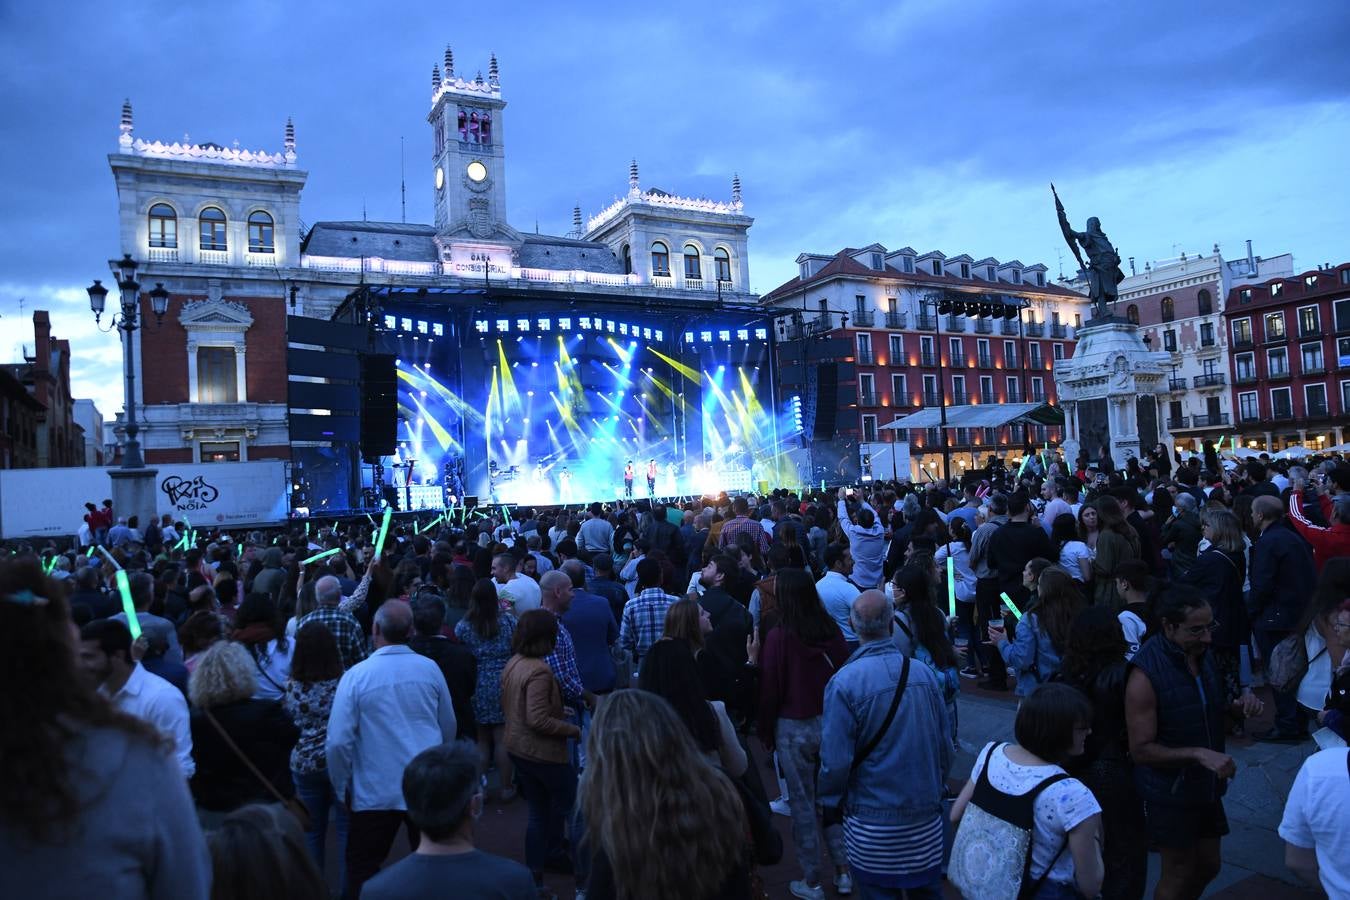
(892, 800)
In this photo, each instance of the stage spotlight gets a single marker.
(688, 337)
(480, 326)
(390, 322)
(423, 394)
(529, 393)
(438, 329)
(398, 362)
(534, 365)
(426, 366)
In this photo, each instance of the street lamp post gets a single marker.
(125, 321)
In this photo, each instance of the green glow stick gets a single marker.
(240, 548)
(384, 530)
(822, 484)
(115, 563)
(1017, 613)
(90, 552)
(372, 519)
(1022, 468)
(1219, 445)
(306, 529)
(124, 588)
(318, 556)
(951, 587)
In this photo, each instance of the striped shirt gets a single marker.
(892, 855)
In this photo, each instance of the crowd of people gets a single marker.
(641, 675)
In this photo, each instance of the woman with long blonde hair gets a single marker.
(662, 822)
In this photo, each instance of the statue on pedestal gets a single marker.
(1103, 265)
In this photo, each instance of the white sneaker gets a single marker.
(843, 883)
(780, 807)
(805, 891)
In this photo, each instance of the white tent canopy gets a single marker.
(981, 415)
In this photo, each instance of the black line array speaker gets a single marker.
(827, 389)
(379, 405)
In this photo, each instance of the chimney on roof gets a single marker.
(42, 354)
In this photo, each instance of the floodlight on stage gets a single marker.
(706, 336)
(522, 324)
(422, 327)
(724, 335)
(609, 326)
(623, 328)
(584, 323)
(688, 337)
(564, 324)
(534, 365)
(647, 333)
(406, 324)
(438, 329)
(390, 322)
(503, 325)
(761, 334)
(658, 335)
(543, 324)
(480, 326)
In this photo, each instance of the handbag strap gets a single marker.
(248, 763)
(866, 751)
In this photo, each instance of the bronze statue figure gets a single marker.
(1103, 265)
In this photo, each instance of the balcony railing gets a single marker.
(1176, 424)
(1247, 377)
(984, 326)
(1010, 360)
(1037, 396)
(1249, 415)
(693, 284)
(1317, 411)
(1207, 343)
(1035, 329)
(213, 257)
(865, 358)
(955, 323)
(986, 361)
(1277, 375)
(986, 396)
(926, 323)
(1282, 413)
(1317, 369)
(868, 399)
(1176, 384)
(1211, 379)
(960, 398)
(1276, 337)
(864, 318)
(1014, 396)
(928, 359)
(1008, 328)
(931, 400)
(163, 254)
(1058, 331)
(1210, 420)
(1242, 341)
(895, 320)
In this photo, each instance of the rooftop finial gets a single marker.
(576, 217)
(449, 63)
(290, 140)
(736, 188)
(435, 78)
(492, 71)
(479, 79)
(633, 178)
(124, 139)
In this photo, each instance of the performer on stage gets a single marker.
(565, 485)
(651, 478)
(628, 473)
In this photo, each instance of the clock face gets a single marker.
(440, 178)
(476, 171)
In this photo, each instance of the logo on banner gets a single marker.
(188, 494)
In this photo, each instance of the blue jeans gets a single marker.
(550, 791)
(316, 792)
(874, 892)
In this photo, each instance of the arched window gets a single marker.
(1132, 313)
(163, 226)
(485, 129)
(1206, 301)
(1169, 310)
(693, 263)
(627, 260)
(212, 222)
(260, 233)
(660, 259)
(723, 261)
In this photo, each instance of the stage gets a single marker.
(530, 401)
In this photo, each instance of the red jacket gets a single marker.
(1327, 543)
(793, 677)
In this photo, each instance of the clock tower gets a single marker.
(469, 160)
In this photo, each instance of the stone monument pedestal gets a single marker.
(134, 494)
(1109, 391)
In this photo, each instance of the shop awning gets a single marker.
(982, 415)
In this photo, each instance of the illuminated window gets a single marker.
(722, 259)
(693, 263)
(212, 225)
(261, 233)
(660, 259)
(163, 226)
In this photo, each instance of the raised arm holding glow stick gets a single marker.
(318, 556)
(384, 530)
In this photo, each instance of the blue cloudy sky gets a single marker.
(932, 124)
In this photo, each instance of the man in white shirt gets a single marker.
(596, 534)
(388, 708)
(1055, 505)
(837, 593)
(520, 590)
(106, 660)
(1316, 841)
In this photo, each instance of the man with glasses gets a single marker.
(1174, 711)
